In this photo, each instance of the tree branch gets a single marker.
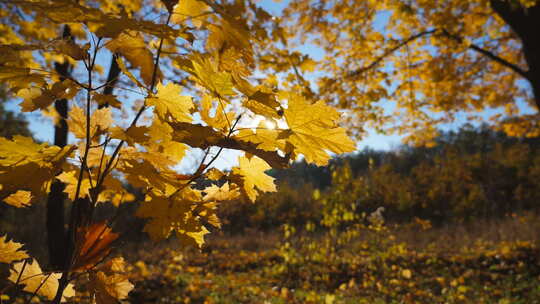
(389, 52)
(489, 54)
(199, 136)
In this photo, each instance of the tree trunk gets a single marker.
(525, 22)
(56, 233)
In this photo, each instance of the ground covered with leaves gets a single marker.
(256, 269)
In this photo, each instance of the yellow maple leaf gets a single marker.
(34, 98)
(10, 251)
(313, 130)
(19, 199)
(208, 74)
(18, 78)
(193, 237)
(22, 155)
(133, 135)
(168, 101)
(219, 120)
(178, 214)
(253, 176)
(100, 121)
(190, 10)
(173, 150)
(214, 174)
(103, 99)
(70, 179)
(125, 70)
(163, 213)
(109, 288)
(223, 193)
(160, 131)
(35, 280)
(133, 47)
(265, 138)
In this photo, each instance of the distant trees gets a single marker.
(470, 173)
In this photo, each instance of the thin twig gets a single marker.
(108, 166)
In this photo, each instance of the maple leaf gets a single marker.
(266, 139)
(19, 199)
(141, 172)
(313, 130)
(70, 48)
(214, 174)
(100, 121)
(259, 100)
(109, 289)
(253, 177)
(11, 251)
(168, 101)
(194, 236)
(71, 179)
(208, 75)
(95, 244)
(110, 284)
(125, 70)
(19, 78)
(132, 46)
(219, 120)
(192, 10)
(230, 32)
(36, 281)
(41, 98)
(178, 214)
(198, 136)
(102, 99)
(223, 193)
(132, 135)
(22, 155)
(207, 210)
(163, 213)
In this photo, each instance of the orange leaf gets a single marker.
(95, 241)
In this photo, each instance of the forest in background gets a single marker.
(472, 173)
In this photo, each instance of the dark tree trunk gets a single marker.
(56, 233)
(525, 22)
(112, 78)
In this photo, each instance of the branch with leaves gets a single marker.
(210, 44)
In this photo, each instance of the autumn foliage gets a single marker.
(184, 81)
(407, 67)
